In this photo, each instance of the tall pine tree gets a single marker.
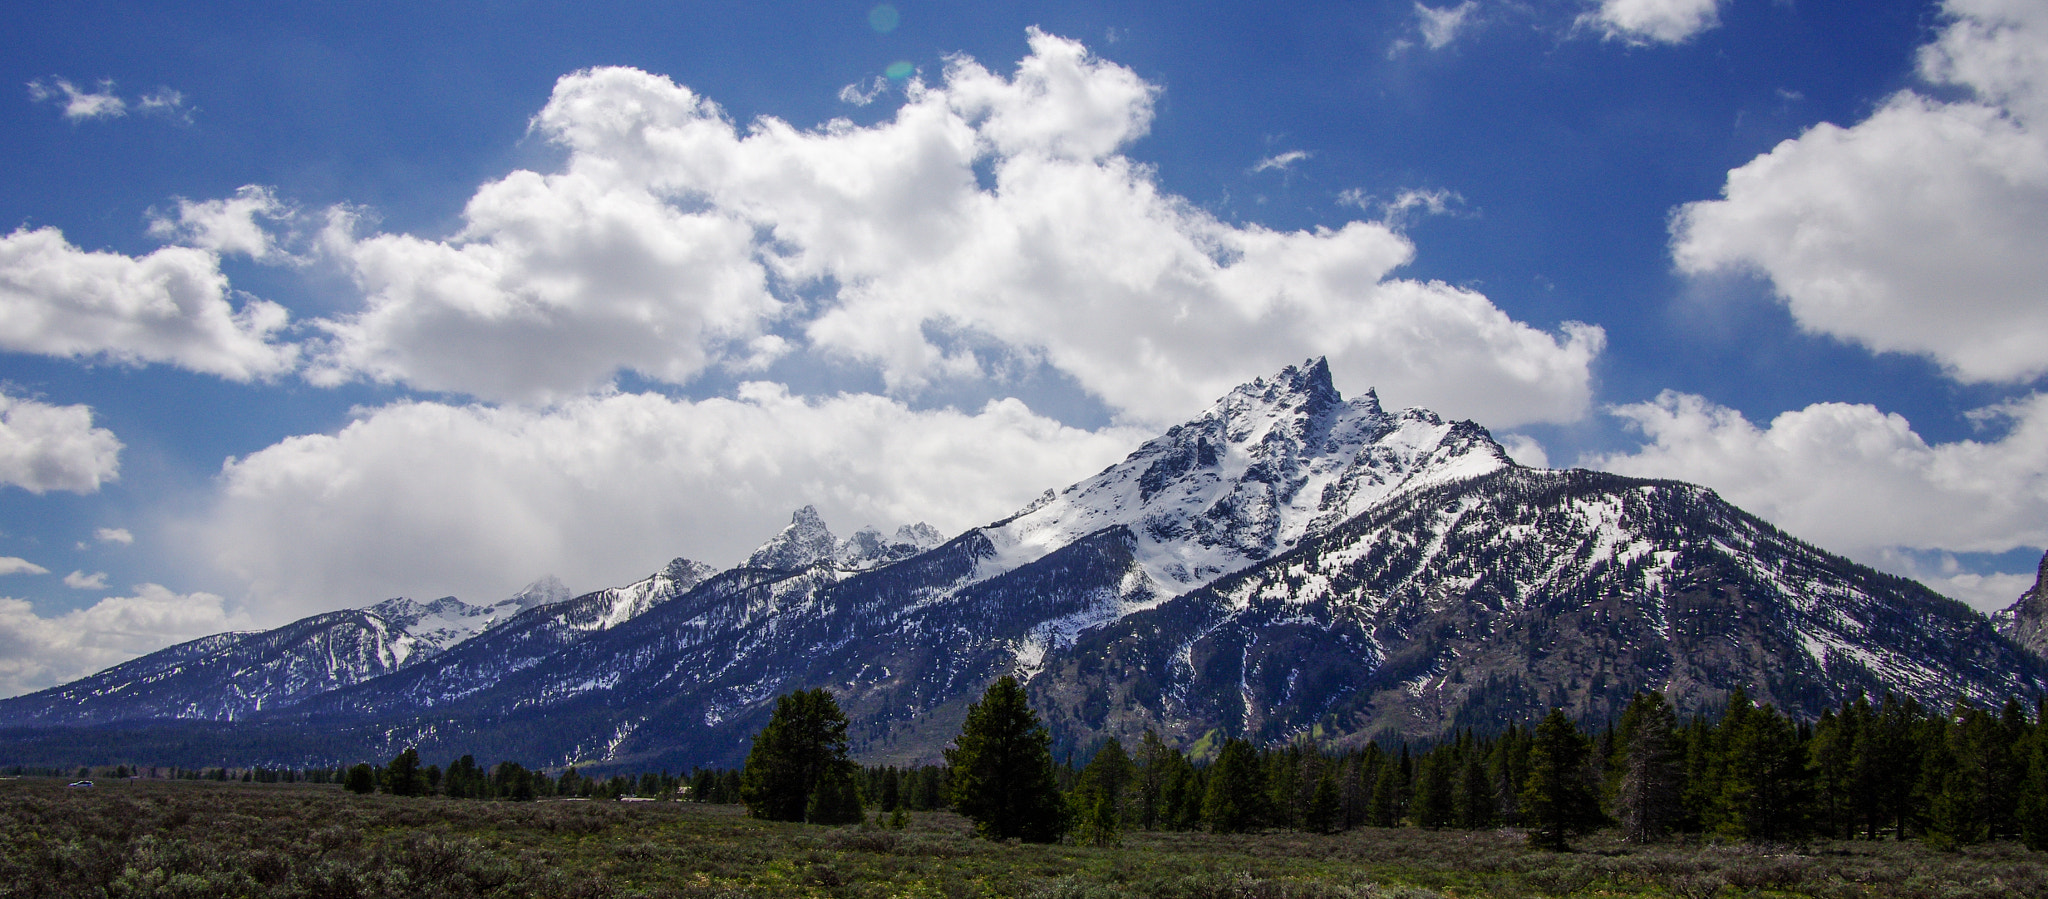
(1558, 800)
(1647, 797)
(803, 744)
(1003, 777)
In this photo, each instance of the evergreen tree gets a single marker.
(1972, 800)
(1432, 805)
(361, 779)
(1180, 792)
(1384, 810)
(1473, 801)
(1831, 757)
(835, 799)
(1237, 798)
(1647, 800)
(1149, 784)
(1003, 777)
(2032, 802)
(1325, 810)
(803, 742)
(892, 789)
(1889, 764)
(1762, 791)
(1099, 793)
(1557, 800)
(403, 776)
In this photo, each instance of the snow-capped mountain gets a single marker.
(1274, 461)
(524, 640)
(868, 548)
(1287, 563)
(807, 541)
(227, 677)
(1479, 603)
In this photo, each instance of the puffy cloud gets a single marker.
(170, 306)
(15, 565)
(114, 535)
(226, 226)
(79, 104)
(1441, 26)
(1525, 450)
(79, 580)
(38, 652)
(45, 447)
(1854, 479)
(432, 499)
(556, 283)
(1922, 229)
(1653, 21)
(988, 208)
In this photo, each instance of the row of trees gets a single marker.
(1888, 770)
(1864, 771)
(465, 779)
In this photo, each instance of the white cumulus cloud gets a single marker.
(674, 240)
(171, 306)
(1922, 229)
(79, 580)
(1854, 479)
(17, 565)
(428, 499)
(238, 224)
(45, 448)
(38, 652)
(1653, 21)
(114, 535)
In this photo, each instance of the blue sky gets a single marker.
(303, 306)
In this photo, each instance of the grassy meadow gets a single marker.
(203, 839)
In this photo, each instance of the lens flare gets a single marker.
(884, 18)
(899, 70)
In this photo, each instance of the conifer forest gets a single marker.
(1882, 798)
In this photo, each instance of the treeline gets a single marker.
(220, 774)
(1893, 769)
(1889, 770)
(464, 778)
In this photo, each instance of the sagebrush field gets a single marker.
(202, 839)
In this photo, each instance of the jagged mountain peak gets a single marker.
(687, 573)
(805, 541)
(1307, 387)
(868, 548)
(1271, 462)
(404, 611)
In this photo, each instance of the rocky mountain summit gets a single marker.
(1289, 563)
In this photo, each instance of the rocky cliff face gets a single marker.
(2026, 620)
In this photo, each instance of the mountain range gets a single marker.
(1289, 563)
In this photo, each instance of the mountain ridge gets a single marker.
(1286, 564)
